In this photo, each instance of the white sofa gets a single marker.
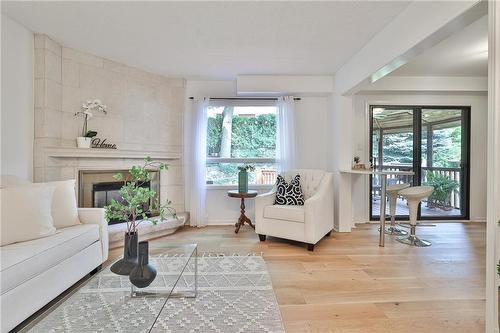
(308, 223)
(34, 272)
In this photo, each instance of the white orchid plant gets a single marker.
(87, 111)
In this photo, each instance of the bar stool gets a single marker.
(392, 194)
(414, 195)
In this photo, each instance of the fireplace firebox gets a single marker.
(99, 188)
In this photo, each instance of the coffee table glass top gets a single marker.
(110, 303)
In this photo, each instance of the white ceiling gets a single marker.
(463, 54)
(213, 39)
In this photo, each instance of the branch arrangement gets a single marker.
(135, 197)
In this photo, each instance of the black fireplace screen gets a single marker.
(103, 193)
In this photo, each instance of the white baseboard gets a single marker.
(222, 222)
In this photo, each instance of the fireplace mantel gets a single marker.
(68, 152)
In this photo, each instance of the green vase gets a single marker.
(243, 181)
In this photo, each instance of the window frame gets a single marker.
(220, 102)
(417, 155)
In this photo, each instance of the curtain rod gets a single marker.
(249, 98)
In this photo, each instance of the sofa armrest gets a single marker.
(319, 211)
(261, 201)
(96, 216)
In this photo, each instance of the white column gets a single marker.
(341, 146)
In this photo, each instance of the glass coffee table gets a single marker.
(109, 302)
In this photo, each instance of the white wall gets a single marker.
(311, 113)
(479, 113)
(17, 100)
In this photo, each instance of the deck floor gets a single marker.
(402, 209)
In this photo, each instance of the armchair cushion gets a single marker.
(284, 212)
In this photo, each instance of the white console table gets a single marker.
(383, 184)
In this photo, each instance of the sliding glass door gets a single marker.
(431, 141)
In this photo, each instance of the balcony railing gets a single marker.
(265, 177)
(450, 173)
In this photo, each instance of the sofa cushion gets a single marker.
(26, 213)
(64, 209)
(285, 212)
(23, 261)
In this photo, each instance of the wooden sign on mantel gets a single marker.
(102, 144)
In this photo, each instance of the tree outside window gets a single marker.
(238, 135)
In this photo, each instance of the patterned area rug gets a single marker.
(235, 294)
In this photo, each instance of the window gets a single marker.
(239, 133)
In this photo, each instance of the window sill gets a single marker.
(235, 187)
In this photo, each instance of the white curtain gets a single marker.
(197, 165)
(285, 143)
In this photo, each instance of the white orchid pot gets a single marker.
(83, 142)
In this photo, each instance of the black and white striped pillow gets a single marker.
(289, 194)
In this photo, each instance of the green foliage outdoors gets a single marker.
(214, 131)
(135, 198)
(446, 147)
(254, 137)
(398, 148)
(443, 187)
(250, 137)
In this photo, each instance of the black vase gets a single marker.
(125, 265)
(143, 273)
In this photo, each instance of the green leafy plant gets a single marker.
(443, 187)
(246, 168)
(90, 134)
(135, 198)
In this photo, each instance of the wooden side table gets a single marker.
(243, 218)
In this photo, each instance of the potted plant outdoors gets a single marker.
(443, 188)
(86, 112)
(132, 208)
(243, 177)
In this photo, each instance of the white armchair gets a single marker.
(308, 223)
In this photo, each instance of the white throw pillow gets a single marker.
(64, 208)
(26, 213)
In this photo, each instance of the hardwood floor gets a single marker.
(349, 284)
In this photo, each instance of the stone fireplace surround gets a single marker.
(74, 160)
(145, 118)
